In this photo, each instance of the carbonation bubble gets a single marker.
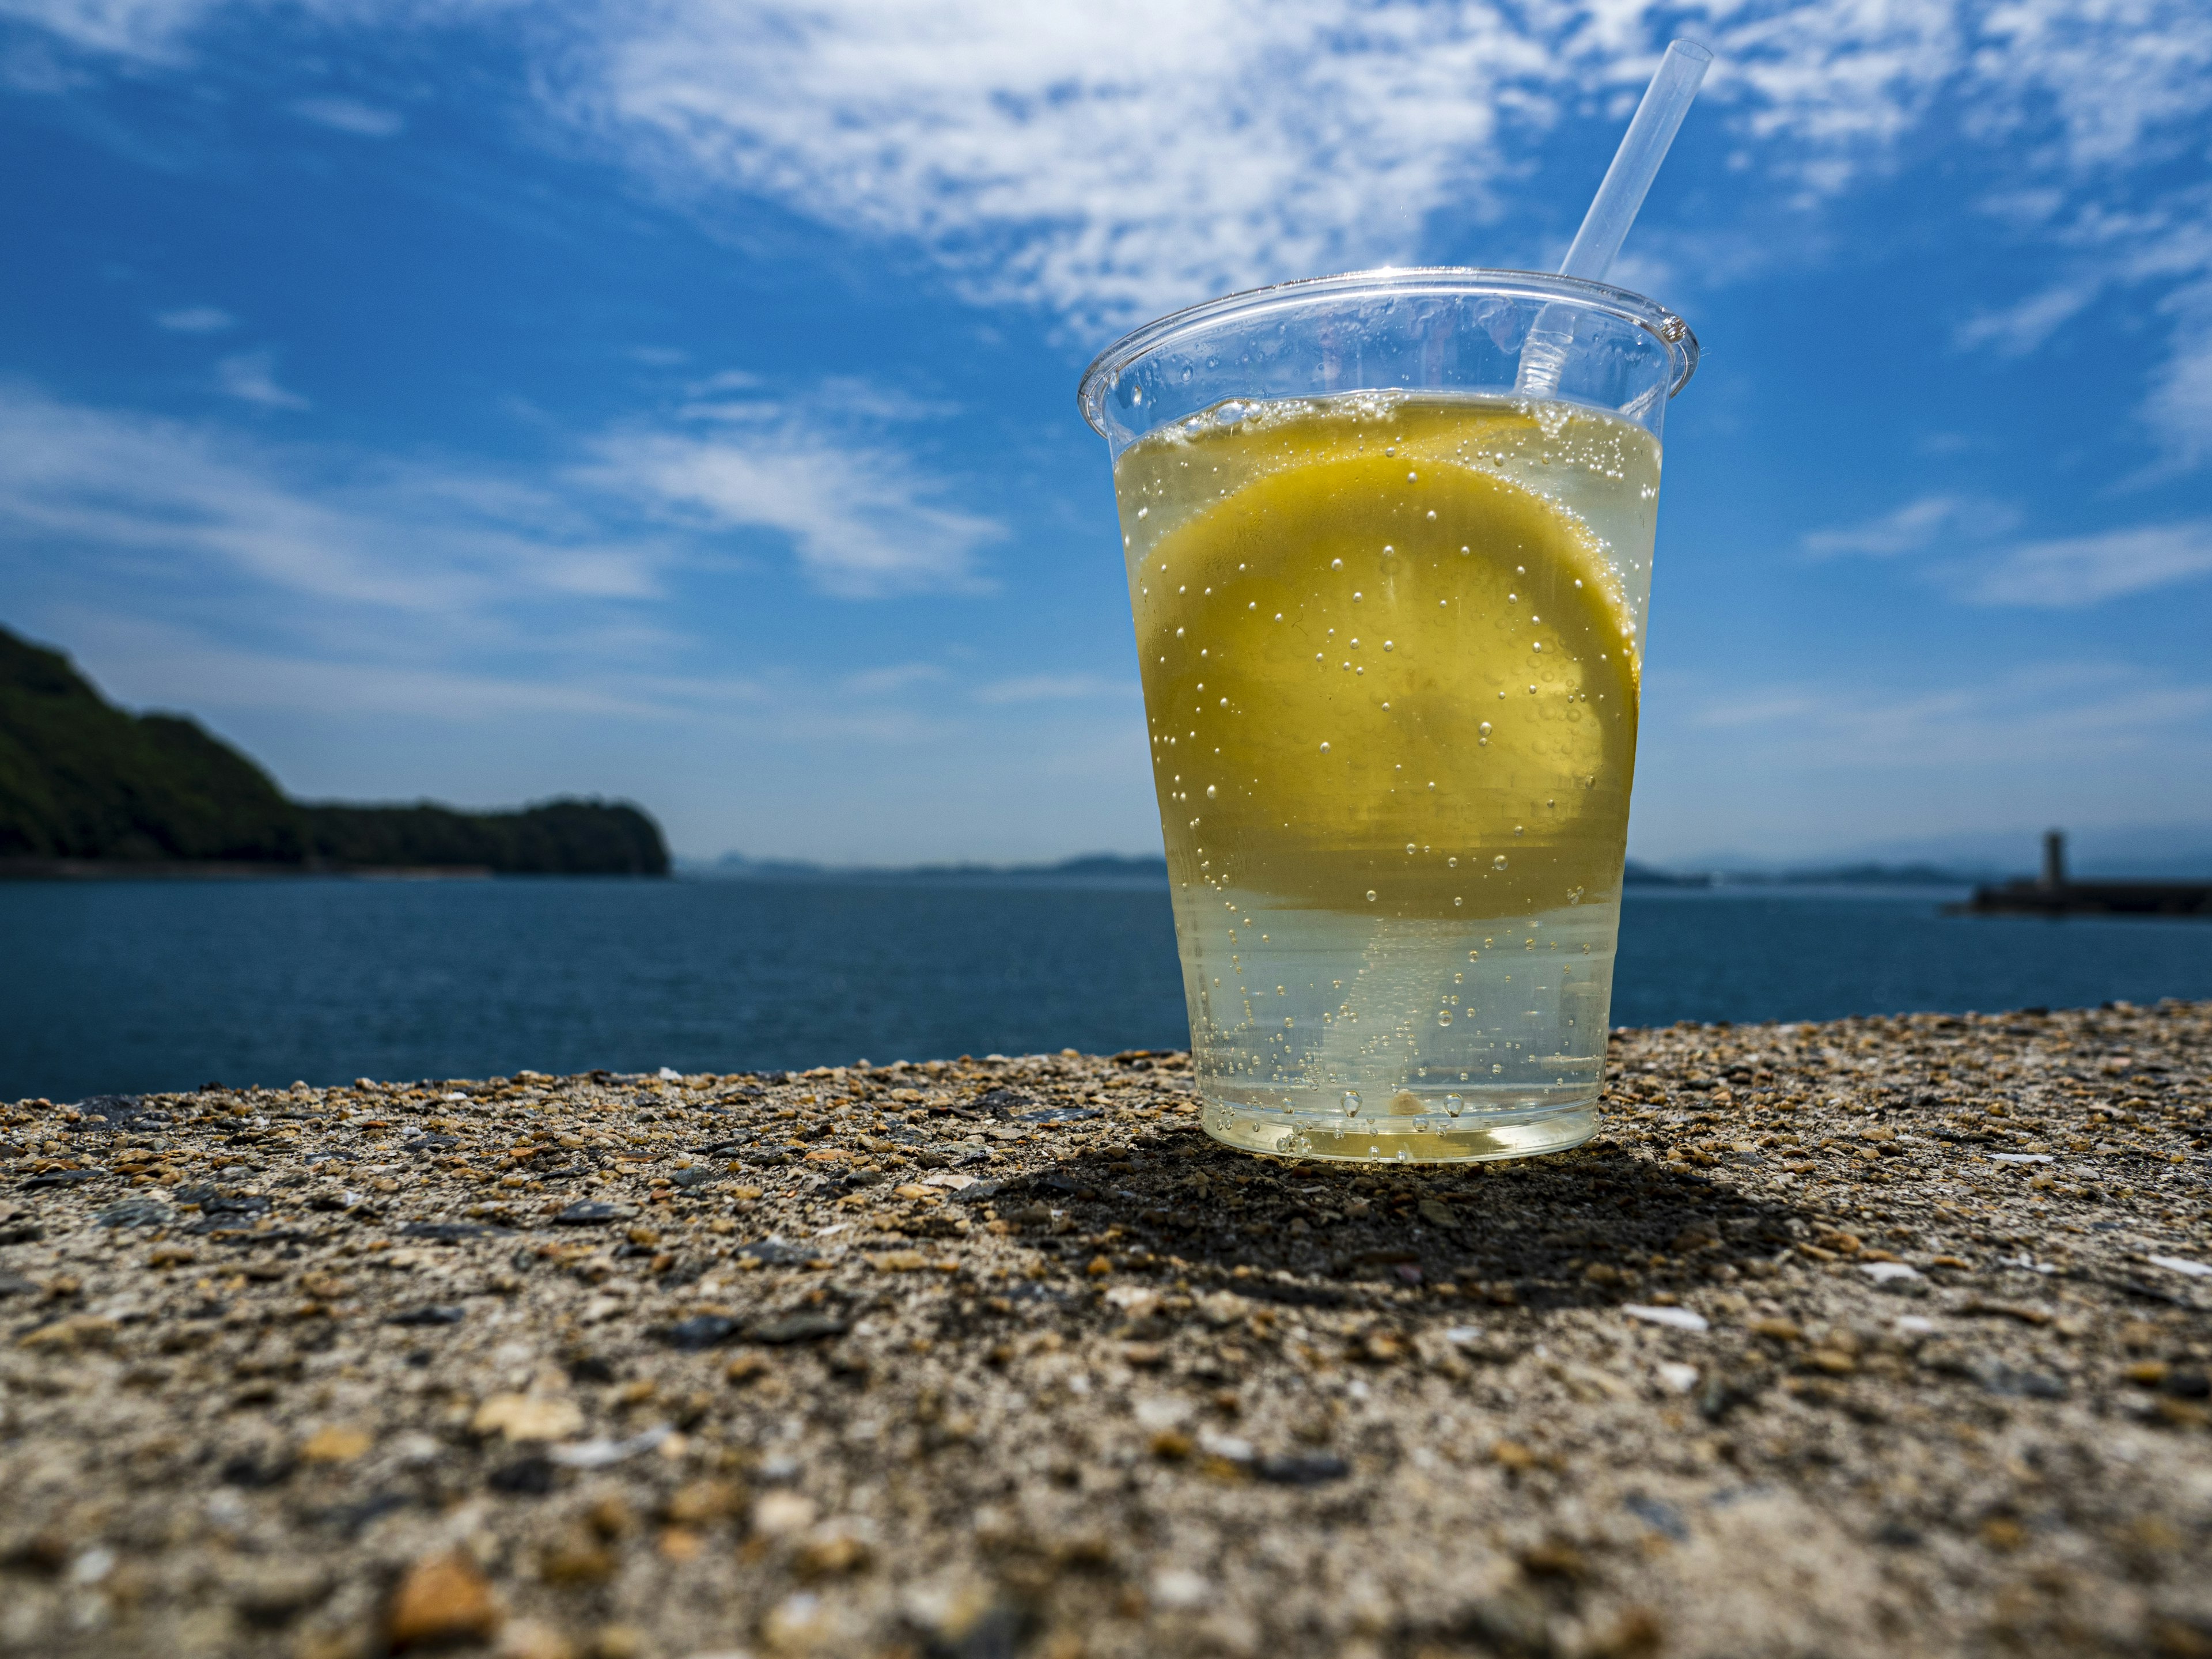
(1498, 863)
(1352, 1102)
(1453, 1105)
(1211, 792)
(1370, 895)
(1324, 748)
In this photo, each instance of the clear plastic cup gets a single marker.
(1389, 538)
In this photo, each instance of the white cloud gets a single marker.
(2178, 409)
(251, 377)
(456, 541)
(2019, 329)
(150, 30)
(444, 546)
(2056, 709)
(2070, 572)
(1106, 163)
(370, 678)
(863, 517)
(1914, 527)
(1102, 163)
(352, 116)
(195, 320)
(1964, 538)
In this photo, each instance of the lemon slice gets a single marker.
(1389, 683)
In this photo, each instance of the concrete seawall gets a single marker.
(1871, 1337)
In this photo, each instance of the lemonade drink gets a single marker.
(1390, 646)
(1388, 539)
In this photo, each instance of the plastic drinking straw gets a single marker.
(1636, 163)
(1613, 209)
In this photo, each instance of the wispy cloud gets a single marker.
(195, 320)
(1107, 162)
(1043, 156)
(865, 518)
(1915, 526)
(151, 31)
(2060, 708)
(456, 540)
(184, 506)
(2178, 411)
(2022, 327)
(1967, 547)
(2068, 572)
(251, 376)
(350, 115)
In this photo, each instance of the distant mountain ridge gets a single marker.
(84, 783)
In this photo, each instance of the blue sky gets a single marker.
(675, 400)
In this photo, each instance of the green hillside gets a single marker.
(82, 780)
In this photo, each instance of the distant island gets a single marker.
(87, 788)
(1863, 874)
(1090, 868)
(1118, 869)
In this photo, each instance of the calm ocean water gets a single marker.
(113, 986)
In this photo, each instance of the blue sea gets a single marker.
(115, 987)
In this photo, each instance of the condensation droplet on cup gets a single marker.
(1453, 1105)
(1352, 1102)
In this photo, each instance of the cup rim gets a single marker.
(1648, 314)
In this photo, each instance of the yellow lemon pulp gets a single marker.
(1384, 676)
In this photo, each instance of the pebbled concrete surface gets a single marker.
(1880, 1337)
